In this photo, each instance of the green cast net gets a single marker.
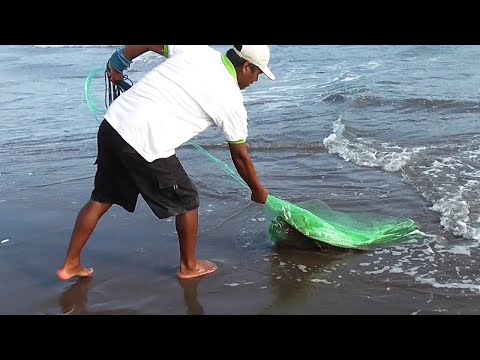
(316, 221)
(313, 220)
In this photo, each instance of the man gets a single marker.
(194, 88)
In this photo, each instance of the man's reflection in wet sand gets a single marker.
(190, 295)
(73, 301)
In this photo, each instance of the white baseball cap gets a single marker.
(258, 55)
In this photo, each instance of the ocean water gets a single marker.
(372, 130)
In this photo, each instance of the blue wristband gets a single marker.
(119, 62)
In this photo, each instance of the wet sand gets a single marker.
(135, 257)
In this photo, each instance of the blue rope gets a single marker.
(119, 62)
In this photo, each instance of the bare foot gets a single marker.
(66, 274)
(204, 267)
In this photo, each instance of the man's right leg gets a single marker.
(85, 224)
(187, 230)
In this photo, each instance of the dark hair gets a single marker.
(236, 60)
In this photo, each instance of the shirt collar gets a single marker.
(231, 69)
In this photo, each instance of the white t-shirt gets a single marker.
(183, 96)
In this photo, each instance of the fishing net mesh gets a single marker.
(317, 221)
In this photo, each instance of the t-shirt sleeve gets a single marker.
(234, 125)
(170, 50)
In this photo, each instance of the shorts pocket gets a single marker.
(169, 172)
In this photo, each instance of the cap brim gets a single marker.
(268, 73)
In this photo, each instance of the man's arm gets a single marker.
(244, 165)
(131, 52)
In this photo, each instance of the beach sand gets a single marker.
(135, 257)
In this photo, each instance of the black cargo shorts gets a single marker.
(122, 174)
